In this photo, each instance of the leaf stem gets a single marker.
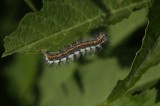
(31, 5)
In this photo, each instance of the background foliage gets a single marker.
(112, 77)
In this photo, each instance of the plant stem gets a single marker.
(31, 5)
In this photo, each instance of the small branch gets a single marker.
(31, 5)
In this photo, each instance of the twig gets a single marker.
(31, 5)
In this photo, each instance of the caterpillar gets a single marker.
(76, 50)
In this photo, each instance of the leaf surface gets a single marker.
(21, 77)
(86, 87)
(146, 57)
(61, 86)
(146, 98)
(60, 22)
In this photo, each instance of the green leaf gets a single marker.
(52, 78)
(149, 78)
(21, 74)
(85, 88)
(146, 98)
(117, 33)
(21, 77)
(147, 56)
(58, 84)
(60, 22)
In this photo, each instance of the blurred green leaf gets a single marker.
(52, 78)
(21, 76)
(148, 55)
(120, 31)
(61, 22)
(87, 88)
(146, 98)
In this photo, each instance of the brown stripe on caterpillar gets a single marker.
(76, 50)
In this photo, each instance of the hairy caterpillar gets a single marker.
(76, 50)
